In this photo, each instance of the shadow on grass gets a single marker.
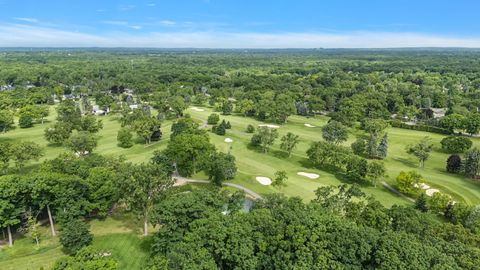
(341, 176)
(129, 221)
(406, 162)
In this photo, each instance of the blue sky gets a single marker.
(240, 24)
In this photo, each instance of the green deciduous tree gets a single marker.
(453, 121)
(375, 171)
(334, 132)
(6, 120)
(264, 138)
(82, 143)
(472, 123)
(456, 144)
(59, 133)
(23, 151)
(189, 152)
(90, 123)
(13, 191)
(75, 234)
(145, 128)
(421, 150)
(125, 138)
(280, 179)
(221, 167)
(406, 182)
(143, 185)
(472, 163)
(68, 113)
(289, 142)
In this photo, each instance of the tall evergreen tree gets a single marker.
(382, 149)
(372, 146)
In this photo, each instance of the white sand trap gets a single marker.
(424, 186)
(228, 140)
(197, 109)
(269, 126)
(309, 175)
(431, 191)
(264, 180)
(308, 125)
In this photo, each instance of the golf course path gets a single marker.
(180, 180)
(392, 189)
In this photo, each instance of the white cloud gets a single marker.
(16, 35)
(151, 5)
(167, 22)
(30, 20)
(115, 22)
(136, 27)
(126, 7)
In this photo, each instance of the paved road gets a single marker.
(180, 180)
(392, 189)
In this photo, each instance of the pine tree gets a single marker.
(220, 129)
(372, 146)
(421, 203)
(228, 125)
(382, 149)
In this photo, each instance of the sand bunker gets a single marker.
(308, 125)
(228, 140)
(197, 109)
(309, 175)
(269, 126)
(264, 180)
(431, 191)
(424, 186)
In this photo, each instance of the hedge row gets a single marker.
(420, 127)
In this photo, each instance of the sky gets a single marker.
(240, 23)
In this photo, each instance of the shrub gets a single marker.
(213, 119)
(25, 121)
(220, 130)
(420, 127)
(75, 235)
(125, 138)
(454, 163)
(250, 129)
(456, 144)
(406, 182)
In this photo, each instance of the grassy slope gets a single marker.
(116, 234)
(120, 235)
(251, 163)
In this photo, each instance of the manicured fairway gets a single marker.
(121, 235)
(252, 163)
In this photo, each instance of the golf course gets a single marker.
(252, 162)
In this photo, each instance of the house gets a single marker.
(438, 112)
(97, 111)
(6, 87)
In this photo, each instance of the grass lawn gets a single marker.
(252, 163)
(122, 234)
(117, 235)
